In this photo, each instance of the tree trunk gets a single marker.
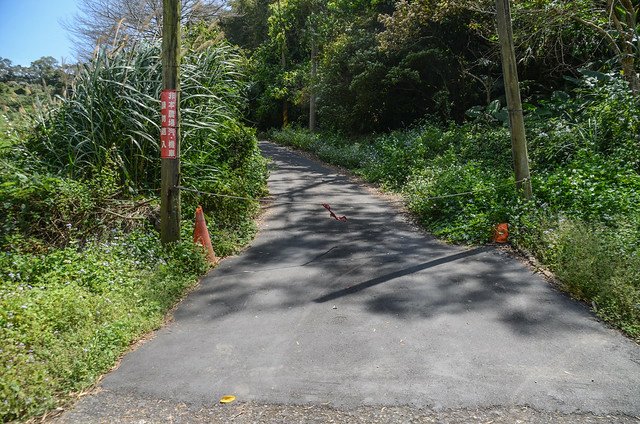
(312, 86)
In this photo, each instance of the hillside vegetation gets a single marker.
(82, 270)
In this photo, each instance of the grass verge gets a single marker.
(67, 315)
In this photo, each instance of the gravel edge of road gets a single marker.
(128, 409)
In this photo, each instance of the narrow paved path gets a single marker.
(370, 313)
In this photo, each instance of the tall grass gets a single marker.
(111, 116)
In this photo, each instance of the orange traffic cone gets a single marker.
(501, 233)
(201, 236)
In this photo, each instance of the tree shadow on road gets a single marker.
(393, 275)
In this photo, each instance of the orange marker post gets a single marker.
(201, 236)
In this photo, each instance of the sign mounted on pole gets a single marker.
(168, 132)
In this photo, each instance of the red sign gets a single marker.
(168, 130)
(168, 143)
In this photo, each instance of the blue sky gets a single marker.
(30, 29)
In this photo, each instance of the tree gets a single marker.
(46, 70)
(246, 23)
(616, 21)
(281, 61)
(113, 22)
(401, 63)
(6, 70)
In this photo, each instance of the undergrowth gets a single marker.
(67, 315)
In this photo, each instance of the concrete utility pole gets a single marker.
(170, 195)
(514, 103)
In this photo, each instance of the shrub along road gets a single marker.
(369, 320)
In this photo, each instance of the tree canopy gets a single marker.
(386, 63)
(113, 22)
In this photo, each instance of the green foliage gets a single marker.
(296, 137)
(248, 27)
(592, 188)
(280, 37)
(394, 157)
(486, 198)
(600, 116)
(610, 109)
(240, 170)
(386, 64)
(331, 147)
(40, 210)
(600, 265)
(67, 315)
(36, 205)
(367, 84)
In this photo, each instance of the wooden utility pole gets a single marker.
(514, 102)
(312, 88)
(170, 195)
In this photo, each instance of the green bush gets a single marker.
(51, 209)
(67, 315)
(599, 116)
(600, 265)
(393, 157)
(592, 188)
(480, 199)
(328, 147)
(295, 137)
(347, 155)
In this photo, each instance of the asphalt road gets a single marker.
(371, 313)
